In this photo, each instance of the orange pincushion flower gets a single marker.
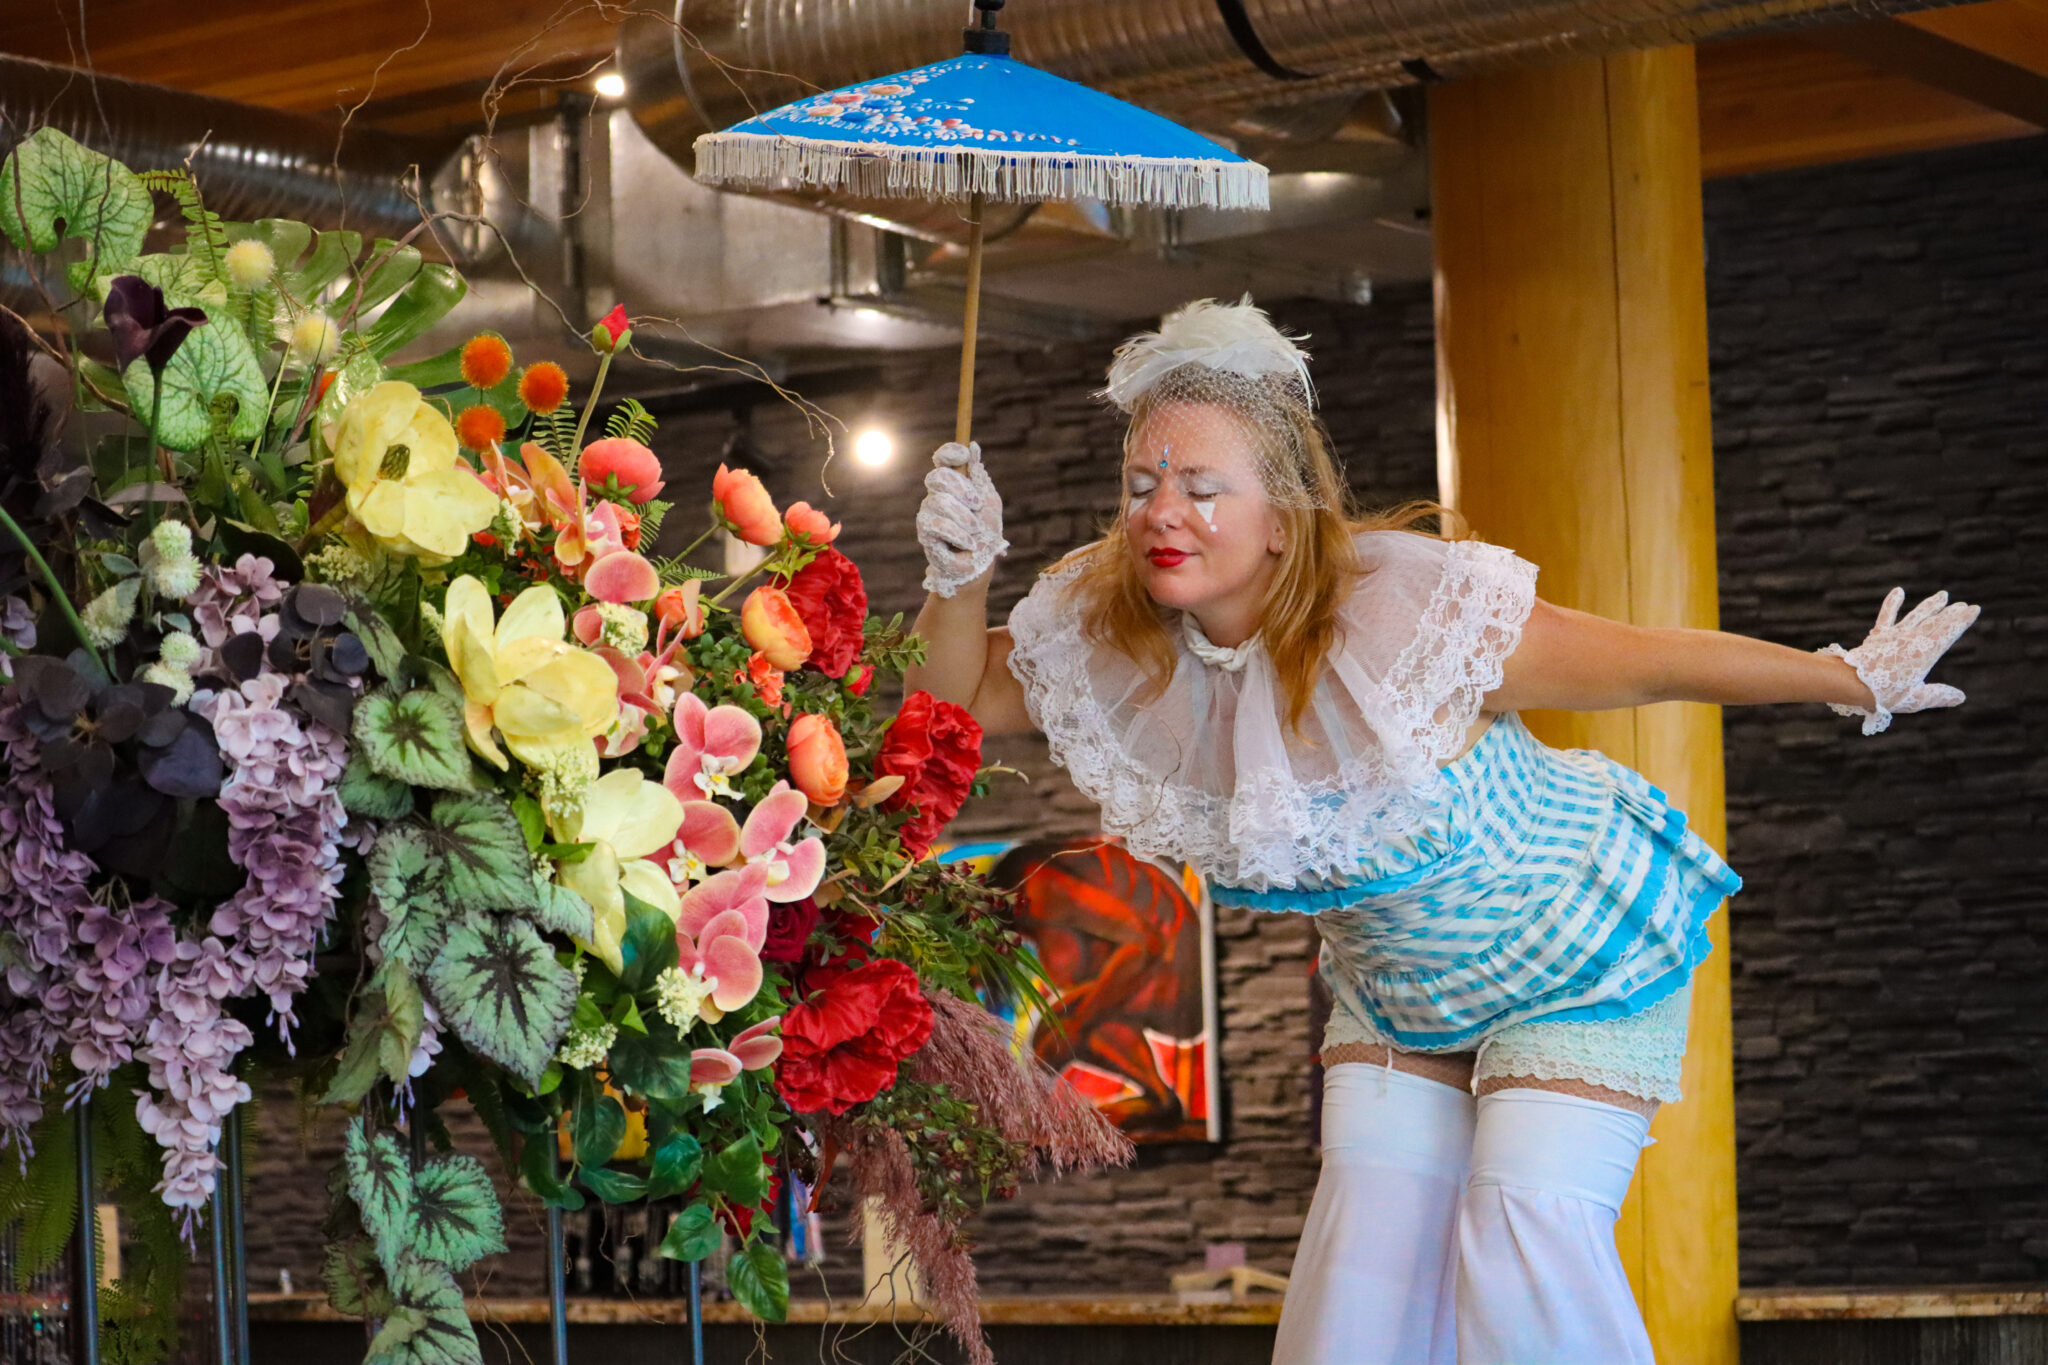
(543, 386)
(486, 360)
(479, 426)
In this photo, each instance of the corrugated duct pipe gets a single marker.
(250, 162)
(707, 64)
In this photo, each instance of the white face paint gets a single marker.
(1206, 510)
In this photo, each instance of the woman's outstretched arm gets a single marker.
(1571, 661)
(960, 526)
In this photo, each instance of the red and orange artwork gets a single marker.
(1130, 973)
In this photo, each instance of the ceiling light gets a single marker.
(611, 85)
(873, 448)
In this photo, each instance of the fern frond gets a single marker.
(206, 240)
(632, 421)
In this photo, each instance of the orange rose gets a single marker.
(814, 526)
(817, 759)
(772, 627)
(745, 503)
(679, 610)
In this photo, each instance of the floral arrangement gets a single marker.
(353, 731)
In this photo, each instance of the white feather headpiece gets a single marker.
(1236, 338)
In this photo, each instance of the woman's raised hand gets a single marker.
(960, 523)
(1894, 659)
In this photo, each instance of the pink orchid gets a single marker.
(714, 1066)
(712, 745)
(793, 870)
(720, 929)
(758, 1047)
(708, 837)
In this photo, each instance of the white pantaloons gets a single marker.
(1374, 1278)
(1539, 1279)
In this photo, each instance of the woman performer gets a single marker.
(1318, 713)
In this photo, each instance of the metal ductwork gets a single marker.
(1209, 63)
(252, 162)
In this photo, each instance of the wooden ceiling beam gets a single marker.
(1935, 59)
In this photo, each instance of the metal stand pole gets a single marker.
(85, 1296)
(558, 1294)
(223, 1329)
(241, 1229)
(696, 1313)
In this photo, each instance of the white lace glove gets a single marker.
(1894, 658)
(960, 523)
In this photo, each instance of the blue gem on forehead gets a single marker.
(1162, 456)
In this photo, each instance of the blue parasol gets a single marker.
(979, 127)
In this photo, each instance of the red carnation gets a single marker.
(843, 1046)
(827, 593)
(936, 747)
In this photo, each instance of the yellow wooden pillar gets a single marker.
(1574, 427)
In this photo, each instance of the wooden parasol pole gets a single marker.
(963, 415)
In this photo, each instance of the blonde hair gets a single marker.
(1318, 563)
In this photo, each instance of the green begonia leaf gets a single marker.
(215, 363)
(415, 738)
(49, 179)
(483, 852)
(355, 1282)
(737, 1173)
(380, 1183)
(386, 1027)
(367, 792)
(693, 1235)
(655, 1063)
(498, 985)
(406, 885)
(677, 1164)
(386, 650)
(558, 910)
(459, 1219)
(430, 1326)
(759, 1279)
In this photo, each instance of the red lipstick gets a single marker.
(1166, 559)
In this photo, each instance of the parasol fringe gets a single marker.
(882, 170)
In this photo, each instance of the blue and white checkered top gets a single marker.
(1552, 884)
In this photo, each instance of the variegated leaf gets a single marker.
(459, 1220)
(429, 1327)
(498, 984)
(367, 792)
(485, 864)
(380, 1183)
(416, 737)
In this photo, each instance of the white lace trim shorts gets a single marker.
(1637, 1054)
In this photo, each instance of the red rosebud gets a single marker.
(789, 928)
(612, 331)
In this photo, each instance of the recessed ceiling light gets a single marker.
(874, 448)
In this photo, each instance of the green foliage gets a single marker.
(558, 910)
(759, 1279)
(367, 792)
(426, 298)
(649, 946)
(458, 1217)
(216, 364)
(597, 1124)
(386, 650)
(678, 1164)
(52, 189)
(429, 1325)
(355, 1281)
(655, 1063)
(631, 421)
(737, 1172)
(482, 851)
(206, 240)
(693, 1235)
(405, 884)
(889, 646)
(501, 989)
(380, 1183)
(415, 737)
(389, 1018)
(41, 1202)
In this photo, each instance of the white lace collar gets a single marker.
(1229, 658)
(1208, 769)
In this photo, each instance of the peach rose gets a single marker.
(679, 610)
(633, 464)
(772, 627)
(745, 503)
(814, 526)
(817, 759)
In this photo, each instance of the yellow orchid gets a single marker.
(549, 699)
(624, 817)
(407, 486)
